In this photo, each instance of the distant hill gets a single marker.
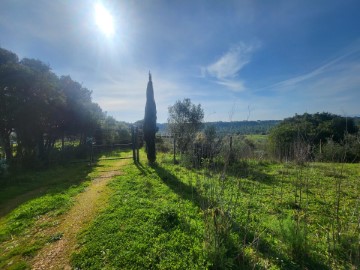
(243, 127)
(357, 120)
(237, 127)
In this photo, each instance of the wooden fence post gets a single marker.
(133, 142)
(91, 154)
(137, 144)
(174, 146)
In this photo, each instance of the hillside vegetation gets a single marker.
(236, 127)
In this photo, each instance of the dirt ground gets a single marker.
(56, 255)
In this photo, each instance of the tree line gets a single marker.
(261, 127)
(321, 136)
(39, 108)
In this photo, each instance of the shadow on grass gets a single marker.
(110, 152)
(257, 172)
(247, 237)
(186, 192)
(19, 187)
(143, 170)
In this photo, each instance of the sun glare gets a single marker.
(104, 20)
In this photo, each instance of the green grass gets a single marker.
(261, 215)
(51, 193)
(257, 137)
(59, 177)
(253, 215)
(145, 226)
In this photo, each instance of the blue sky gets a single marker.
(252, 59)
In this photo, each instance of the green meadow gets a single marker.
(250, 214)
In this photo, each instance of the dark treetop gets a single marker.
(150, 122)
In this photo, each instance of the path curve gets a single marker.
(56, 255)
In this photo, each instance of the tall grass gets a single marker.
(316, 231)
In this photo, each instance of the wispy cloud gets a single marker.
(226, 69)
(333, 86)
(235, 85)
(333, 71)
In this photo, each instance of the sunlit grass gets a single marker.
(259, 214)
(262, 215)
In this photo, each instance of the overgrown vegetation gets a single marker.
(245, 214)
(311, 134)
(258, 214)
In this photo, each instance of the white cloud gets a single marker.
(332, 87)
(333, 76)
(232, 84)
(228, 65)
(226, 69)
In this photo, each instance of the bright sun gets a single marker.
(104, 20)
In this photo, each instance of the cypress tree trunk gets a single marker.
(150, 122)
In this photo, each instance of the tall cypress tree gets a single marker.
(150, 122)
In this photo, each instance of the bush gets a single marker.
(163, 146)
(310, 130)
(346, 151)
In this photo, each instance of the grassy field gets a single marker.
(247, 215)
(31, 202)
(257, 215)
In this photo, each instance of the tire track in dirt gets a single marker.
(56, 255)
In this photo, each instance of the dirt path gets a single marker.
(56, 255)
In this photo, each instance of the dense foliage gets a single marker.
(112, 131)
(185, 119)
(150, 122)
(38, 108)
(302, 136)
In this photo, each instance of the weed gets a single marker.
(294, 234)
(55, 237)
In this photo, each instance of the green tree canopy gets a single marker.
(185, 119)
(37, 107)
(309, 129)
(150, 122)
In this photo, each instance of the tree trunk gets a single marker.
(7, 146)
(8, 150)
